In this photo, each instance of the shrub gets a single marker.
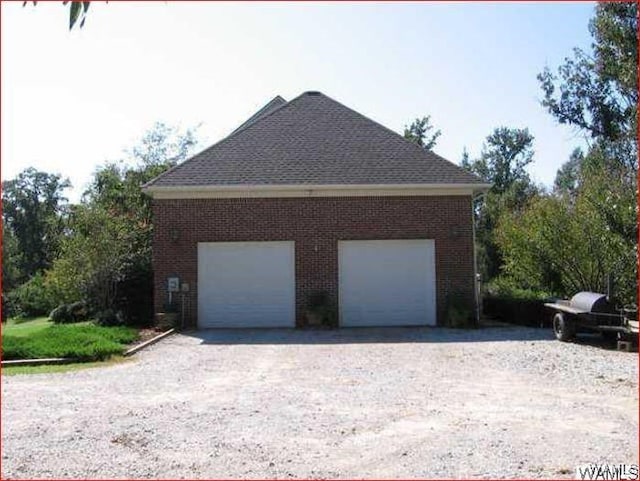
(106, 260)
(79, 311)
(508, 303)
(460, 311)
(169, 318)
(128, 287)
(109, 317)
(507, 288)
(63, 281)
(523, 312)
(61, 314)
(65, 313)
(81, 342)
(319, 306)
(135, 295)
(570, 244)
(31, 299)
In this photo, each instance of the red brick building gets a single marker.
(309, 199)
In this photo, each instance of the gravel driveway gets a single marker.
(352, 403)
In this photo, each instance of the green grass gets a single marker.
(57, 368)
(25, 327)
(80, 341)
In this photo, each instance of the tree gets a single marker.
(585, 231)
(565, 247)
(502, 163)
(611, 192)
(94, 258)
(598, 93)
(163, 145)
(33, 214)
(504, 157)
(116, 185)
(11, 260)
(106, 258)
(465, 161)
(422, 133)
(77, 11)
(568, 176)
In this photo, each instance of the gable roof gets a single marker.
(312, 140)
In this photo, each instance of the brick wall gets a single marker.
(316, 225)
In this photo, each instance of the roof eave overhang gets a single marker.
(317, 190)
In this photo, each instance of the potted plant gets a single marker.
(460, 312)
(168, 318)
(319, 309)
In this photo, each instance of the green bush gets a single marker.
(81, 342)
(66, 313)
(507, 302)
(107, 262)
(504, 287)
(460, 311)
(109, 317)
(523, 312)
(135, 294)
(61, 314)
(320, 305)
(31, 299)
(79, 311)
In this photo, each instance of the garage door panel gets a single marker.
(246, 284)
(385, 283)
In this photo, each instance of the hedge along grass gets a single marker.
(82, 342)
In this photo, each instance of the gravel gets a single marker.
(505, 402)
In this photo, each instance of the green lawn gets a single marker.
(39, 338)
(25, 327)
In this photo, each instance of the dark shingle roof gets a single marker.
(276, 102)
(313, 140)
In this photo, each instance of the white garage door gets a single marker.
(387, 282)
(246, 284)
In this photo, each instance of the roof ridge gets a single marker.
(233, 134)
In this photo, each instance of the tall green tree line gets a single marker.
(586, 229)
(98, 250)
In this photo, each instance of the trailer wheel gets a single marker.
(563, 327)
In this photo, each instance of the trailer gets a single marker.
(592, 311)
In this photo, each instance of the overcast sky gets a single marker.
(72, 100)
